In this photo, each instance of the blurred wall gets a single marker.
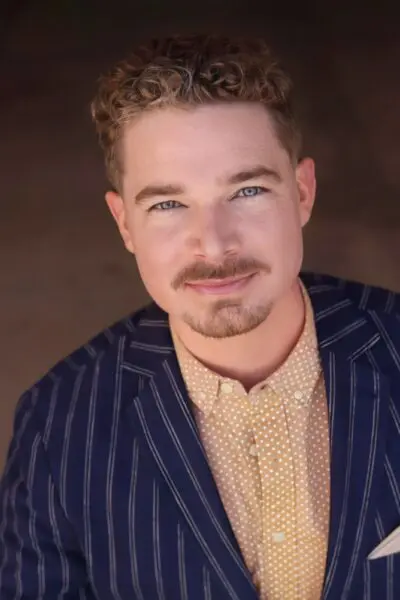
(64, 272)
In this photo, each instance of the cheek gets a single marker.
(275, 229)
(157, 256)
(277, 240)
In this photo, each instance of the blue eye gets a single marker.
(249, 192)
(166, 205)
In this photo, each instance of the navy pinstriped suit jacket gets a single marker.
(107, 493)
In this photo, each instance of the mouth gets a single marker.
(220, 286)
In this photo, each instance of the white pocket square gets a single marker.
(390, 545)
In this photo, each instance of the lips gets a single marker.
(220, 286)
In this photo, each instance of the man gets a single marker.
(240, 437)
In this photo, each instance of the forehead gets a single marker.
(199, 144)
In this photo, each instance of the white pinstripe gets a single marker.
(33, 395)
(366, 293)
(395, 415)
(388, 340)
(53, 401)
(389, 559)
(88, 471)
(67, 435)
(343, 517)
(110, 472)
(156, 543)
(150, 348)
(365, 347)
(32, 519)
(367, 581)
(394, 486)
(132, 521)
(57, 539)
(184, 407)
(331, 310)
(182, 563)
(18, 558)
(368, 483)
(206, 584)
(343, 333)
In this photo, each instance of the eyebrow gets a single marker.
(151, 191)
(253, 173)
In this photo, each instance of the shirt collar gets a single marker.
(297, 377)
(202, 384)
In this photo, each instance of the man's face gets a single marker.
(213, 210)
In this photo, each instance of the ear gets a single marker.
(118, 210)
(306, 183)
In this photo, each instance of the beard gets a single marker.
(228, 318)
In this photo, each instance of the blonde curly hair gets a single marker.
(186, 71)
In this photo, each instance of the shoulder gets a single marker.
(366, 298)
(352, 318)
(83, 404)
(66, 391)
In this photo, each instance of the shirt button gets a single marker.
(253, 450)
(278, 537)
(298, 395)
(226, 388)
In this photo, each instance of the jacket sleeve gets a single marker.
(39, 554)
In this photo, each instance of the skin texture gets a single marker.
(213, 209)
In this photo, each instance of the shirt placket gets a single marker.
(279, 518)
(236, 411)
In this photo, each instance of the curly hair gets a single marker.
(186, 71)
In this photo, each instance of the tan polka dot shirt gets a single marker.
(268, 450)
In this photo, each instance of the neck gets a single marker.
(251, 357)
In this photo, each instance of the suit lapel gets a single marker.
(168, 428)
(358, 400)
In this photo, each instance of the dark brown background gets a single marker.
(64, 273)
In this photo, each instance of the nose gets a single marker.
(213, 235)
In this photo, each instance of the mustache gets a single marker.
(200, 271)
